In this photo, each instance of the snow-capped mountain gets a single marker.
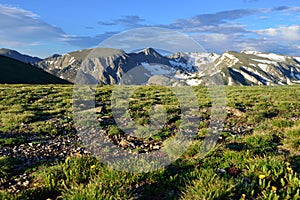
(244, 68)
(257, 68)
(108, 66)
(18, 56)
(112, 66)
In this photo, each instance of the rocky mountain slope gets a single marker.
(112, 66)
(243, 68)
(18, 56)
(109, 65)
(257, 68)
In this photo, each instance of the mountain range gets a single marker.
(113, 66)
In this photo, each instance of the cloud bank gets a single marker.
(216, 32)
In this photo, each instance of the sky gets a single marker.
(43, 28)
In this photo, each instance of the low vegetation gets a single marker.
(257, 155)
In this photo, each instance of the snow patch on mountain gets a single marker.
(50, 62)
(264, 61)
(194, 82)
(264, 67)
(186, 66)
(230, 81)
(158, 69)
(202, 58)
(227, 59)
(250, 52)
(257, 73)
(272, 56)
(72, 60)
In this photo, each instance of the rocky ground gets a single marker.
(35, 151)
(51, 148)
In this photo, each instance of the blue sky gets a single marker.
(42, 28)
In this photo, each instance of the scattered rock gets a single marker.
(49, 148)
(123, 143)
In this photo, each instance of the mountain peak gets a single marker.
(249, 52)
(150, 51)
(18, 56)
(6, 51)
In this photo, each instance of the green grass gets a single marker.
(35, 109)
(12, 141)
(256, 157)
(6, 166)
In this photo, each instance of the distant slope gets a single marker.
(257, 68)
(18, 56)
(17, 72)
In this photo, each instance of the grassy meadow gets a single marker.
(257, 155)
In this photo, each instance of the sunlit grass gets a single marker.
(257, 155)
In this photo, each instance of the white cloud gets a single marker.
(216, 38)
(20, 28)
(215, 42)
(287, 33)
(238, 42)
(216, 32)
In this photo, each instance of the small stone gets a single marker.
(132, 145)
(123, 143)
(26, 183)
